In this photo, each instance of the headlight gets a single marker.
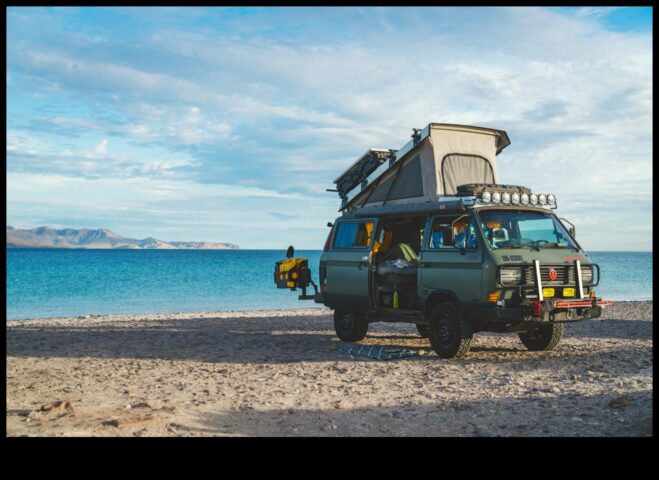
(586, 275)
(542, 198)
(486, 197)
(551, 199)
(496, 197)
(515, 198)
(505, 197)
(525, 198)
(511, 275)
(534, 199)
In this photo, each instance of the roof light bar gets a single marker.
(515, 198)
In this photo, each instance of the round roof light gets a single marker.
(533, 199)
(496, 197)
(486, 197)
(551, 199)
(525, 198)
(515, 198)
(505, 197)
(542, 199)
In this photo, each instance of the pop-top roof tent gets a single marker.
(437, 159)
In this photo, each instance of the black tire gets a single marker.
(449, 333)
(544, 338)
(423, 330)
(350, 327)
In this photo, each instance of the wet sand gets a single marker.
(281, 373)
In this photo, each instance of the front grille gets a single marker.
(565, 275)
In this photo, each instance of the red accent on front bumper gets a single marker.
(583, 303)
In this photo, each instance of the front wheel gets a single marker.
(543, 338)
(450, 334)
(350, 327)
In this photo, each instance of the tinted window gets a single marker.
(353, 235)
(518, 229)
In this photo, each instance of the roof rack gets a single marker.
(359, 172)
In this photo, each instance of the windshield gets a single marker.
(518, 229)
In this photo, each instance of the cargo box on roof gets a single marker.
(437, 160)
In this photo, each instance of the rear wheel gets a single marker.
(543, 338)
(350, 327)
(423, 330)
(450, 334)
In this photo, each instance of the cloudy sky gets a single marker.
(228, 124)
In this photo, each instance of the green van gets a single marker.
(432, 239)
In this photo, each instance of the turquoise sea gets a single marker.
(60, 282)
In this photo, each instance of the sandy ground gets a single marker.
(281, 373)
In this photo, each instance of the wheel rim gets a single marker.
(445, 332)
(346, 321)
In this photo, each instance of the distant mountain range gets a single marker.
(44, 237)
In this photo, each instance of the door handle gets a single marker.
(360, 265)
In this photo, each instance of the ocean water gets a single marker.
(60, 282)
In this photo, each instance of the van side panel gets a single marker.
(451, 270)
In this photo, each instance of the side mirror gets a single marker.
(572, 229)
(290, 252)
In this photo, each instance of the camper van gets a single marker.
(427, 235)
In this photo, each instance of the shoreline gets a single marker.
(283, 373)
(140, 316)
(207, 314)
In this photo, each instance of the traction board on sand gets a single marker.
(379, 353)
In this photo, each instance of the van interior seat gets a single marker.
(499, 235)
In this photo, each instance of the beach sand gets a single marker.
(281, 373)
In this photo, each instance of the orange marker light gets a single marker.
(493, 297)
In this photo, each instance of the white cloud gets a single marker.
(101, 149)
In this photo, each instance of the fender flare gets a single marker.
(437, 295)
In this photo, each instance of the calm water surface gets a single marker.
(58, 282)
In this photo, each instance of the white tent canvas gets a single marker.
(445, 156)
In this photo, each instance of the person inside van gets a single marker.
(465, 236)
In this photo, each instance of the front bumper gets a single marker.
(551, 310)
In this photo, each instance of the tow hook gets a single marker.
(569, 314)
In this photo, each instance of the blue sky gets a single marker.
(228, 124)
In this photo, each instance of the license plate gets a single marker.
(568, 292)
(547, 292)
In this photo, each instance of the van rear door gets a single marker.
(347, 264)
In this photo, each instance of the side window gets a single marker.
(353, 235)
(452, 233)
